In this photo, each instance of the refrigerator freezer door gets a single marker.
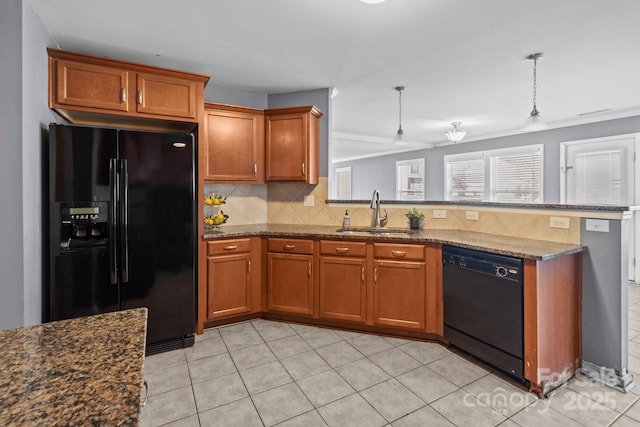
(160, 229)
(79, 275)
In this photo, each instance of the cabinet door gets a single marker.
(399, 294)
(229, 285)
(343, 291)
(165, 96)
(290, 283)
(286, 147)
(235, 146)
(93, 86)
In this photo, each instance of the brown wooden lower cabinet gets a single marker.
(229, 285)
(290, 284)
(552, 321)
(343, 281)
(233, 284)
(399, 294)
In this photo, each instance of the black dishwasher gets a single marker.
(483, 306)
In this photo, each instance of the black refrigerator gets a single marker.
(122, 227)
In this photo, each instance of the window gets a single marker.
(410, 179)
(465, 176)
(503, 175)
(343, 180)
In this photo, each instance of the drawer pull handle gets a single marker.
(398, 253)
(123, 95)
(288, 247)
(375, 275)
(249, 267)
(362, 274)
(231, 248)
(342, 250)
(309, 268)
(140, 97)
(143, 401)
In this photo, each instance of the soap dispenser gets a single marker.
(346, 220)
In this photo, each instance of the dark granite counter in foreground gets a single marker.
(83, 371)
(511, 246)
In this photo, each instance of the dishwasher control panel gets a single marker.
(483, 262)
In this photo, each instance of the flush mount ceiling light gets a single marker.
(372, 1)
(455, 134)
(399, 138)
(534, 122)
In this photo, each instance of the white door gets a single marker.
(601, 172)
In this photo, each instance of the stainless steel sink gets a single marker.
(376, 231)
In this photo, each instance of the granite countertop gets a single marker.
(511, 246)
(82, 371)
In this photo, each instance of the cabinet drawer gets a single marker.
(342, 248)
(291, 246)
(398, 251)
(225, 247)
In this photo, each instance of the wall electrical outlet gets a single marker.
(309, 200)
(473, 215)
(439, 213)
(559, 222)
(601, 225)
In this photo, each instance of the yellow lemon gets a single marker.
(216, 201)
(208, 201)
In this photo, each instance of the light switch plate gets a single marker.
(309, 200)
(559, 222)
(601, 225)
(472, 215)
(439, 213)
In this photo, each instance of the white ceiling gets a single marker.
(459, 59)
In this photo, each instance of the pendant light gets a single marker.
(455, 134)
(534, 122)
(400, 138)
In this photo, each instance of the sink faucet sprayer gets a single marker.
(377, 220)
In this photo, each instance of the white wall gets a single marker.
(23, 116)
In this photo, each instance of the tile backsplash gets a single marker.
(246, 203)
(284, 204)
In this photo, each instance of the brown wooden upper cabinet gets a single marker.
(292, 138)
(87, 89)
(234, 143)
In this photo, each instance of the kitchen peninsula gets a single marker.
(82, 371)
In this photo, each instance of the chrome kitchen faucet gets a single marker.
(377, 220)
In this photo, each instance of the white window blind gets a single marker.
(502, 175)
(465, 178)
(343, 179)
(516, 177)
(599, 180)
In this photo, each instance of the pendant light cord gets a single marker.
(535, 82)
